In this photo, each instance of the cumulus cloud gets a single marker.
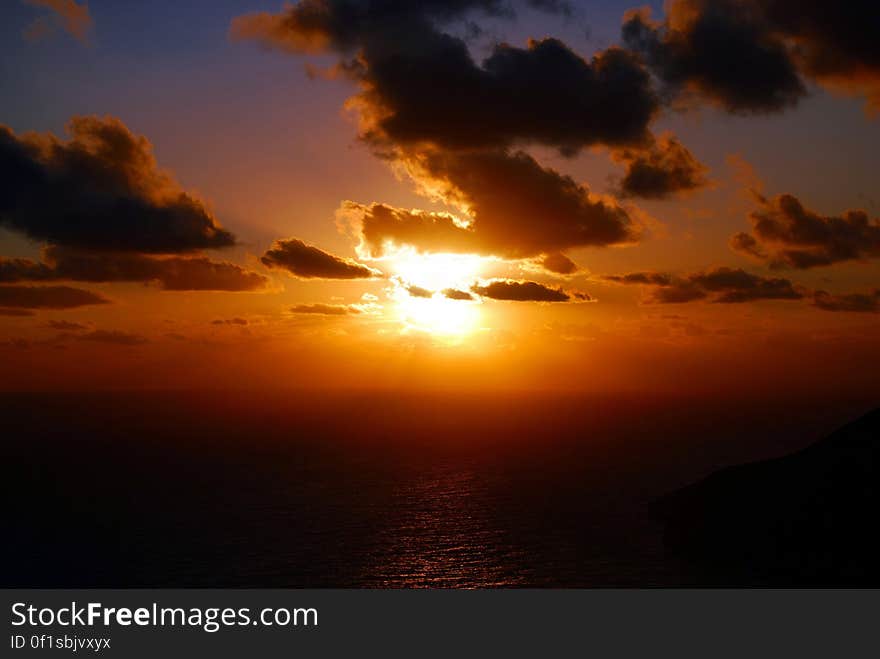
(517, 208)
(326, 309)
(464, 147)
(751, 56)
(170, 273)
(406, 66)
(101, 190)
(786, 234)
(520, 291)
(383, 227)
(722, 50)
(851, 302)
(72, 17)
(721, 285)
(733, 285)
(606, 100)
(831, 43)
(48, 297)
(309, 262)
(108, 213)
(664, 169)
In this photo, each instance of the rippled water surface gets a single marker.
(354, 490)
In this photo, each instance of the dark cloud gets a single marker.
(678, 291)
(47, 297)
(170, 273)
(852, 302)
(100, 190)
(326, 309)
(747, 244)
(789, 235)
(420, 84)
(751, 55)
(108, 212)
(15, 270)
(831, 42)
(455, 125)
(559, 263)
(16, 312)
(67, 326)
(544, 93)
(455, 294)
(317, 25)
(520, 291)
(721, 285)
(230, 321)
(519, 209)
(648, 278)
(382, 226)
(309, 262)
(721, 49)
(735, 285)
(663, 170)
(418, 291)
(114, 337)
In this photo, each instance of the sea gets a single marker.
(368, 489)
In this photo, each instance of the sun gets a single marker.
(420, 298)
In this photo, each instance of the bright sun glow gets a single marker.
(431, 275)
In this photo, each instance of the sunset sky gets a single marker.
(469, 194)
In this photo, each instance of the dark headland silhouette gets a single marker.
(809, 518)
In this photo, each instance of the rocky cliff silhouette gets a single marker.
(809, 518)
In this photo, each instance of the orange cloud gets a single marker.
(74, 18)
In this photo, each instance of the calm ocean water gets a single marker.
(364, 490)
